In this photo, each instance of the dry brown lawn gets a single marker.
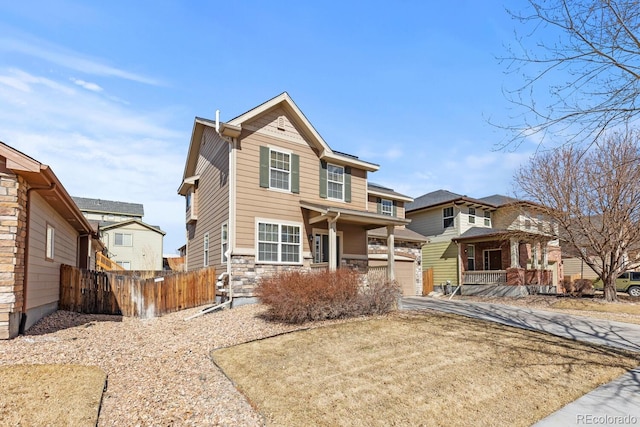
(50, 395)
(416, 368)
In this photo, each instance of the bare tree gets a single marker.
(580, 62)
(593, 194)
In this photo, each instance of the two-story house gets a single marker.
(265, 193)
(493, 240)
(130, 242)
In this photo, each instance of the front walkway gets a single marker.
(616, 403)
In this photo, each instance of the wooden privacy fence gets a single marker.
(99, 292)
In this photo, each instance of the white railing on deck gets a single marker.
(485, 277)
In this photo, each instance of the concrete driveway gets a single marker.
(615, 403)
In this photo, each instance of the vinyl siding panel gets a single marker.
(443, 258)
(430, 223)
(574, 266)
(253, 201)
(212, 198)
(145, 253)
(43, 276)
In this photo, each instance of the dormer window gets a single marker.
(487, 218)
(472, 215)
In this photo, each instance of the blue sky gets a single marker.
(106, 92)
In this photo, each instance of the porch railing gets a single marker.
(485, 277)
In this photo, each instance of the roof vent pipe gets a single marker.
(217, 121)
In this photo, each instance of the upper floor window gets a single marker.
(279, 243)
(472, 215)
(335, 182)
(386, 207)
(487, 218)
(124, 264)
(188, 200)
(50, 244)
(279, 170)
(447, 217)
(122, 239)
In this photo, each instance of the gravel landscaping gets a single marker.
(159, 370)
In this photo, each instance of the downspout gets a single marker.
(23, 318)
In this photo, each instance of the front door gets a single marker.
(493, 259)
(321, 249)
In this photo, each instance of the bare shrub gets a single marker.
(381, 296)
(583, 287)
(298, 297)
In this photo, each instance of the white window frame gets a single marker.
(276, 169)
(122, 238)
(487, 218)
(224, 241)
(124, 264)
(446, 217)
(334, 181)
(472, 215)
(279, 243)
(50, 245)
(386, 207)
(471, 256)
(205, 250)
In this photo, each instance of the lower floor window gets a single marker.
(279, 243)
(124, 264)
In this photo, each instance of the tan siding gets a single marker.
(443, 258)
(43, 276)
(575, 266)
(254, 201)
(355, 239)
(212, 200)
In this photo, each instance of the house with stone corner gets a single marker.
(40, 229)
(130, 242)
(265, 193)
(491, 241)
(407, 243)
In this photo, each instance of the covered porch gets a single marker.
(505, 258)
(338, 236)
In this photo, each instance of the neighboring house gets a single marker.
(130, 242)
(408, 243)
(40, 229)
(492, 240)
(265, 193)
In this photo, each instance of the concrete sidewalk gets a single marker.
(615, 403)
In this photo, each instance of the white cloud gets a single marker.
(87, 85)
(69, 59)
(98, 147)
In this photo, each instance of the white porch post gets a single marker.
(391, 265)
(515, 253)
(333, 247)
(545, 255)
